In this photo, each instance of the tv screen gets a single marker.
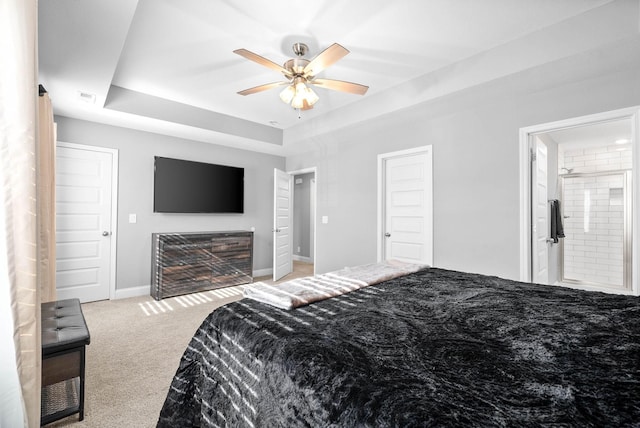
(182, 186)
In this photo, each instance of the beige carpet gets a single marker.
(136, 345)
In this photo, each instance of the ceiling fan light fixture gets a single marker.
(298, 100)
(287, 94)
(299, 95)
(300, 86)
(311, 96)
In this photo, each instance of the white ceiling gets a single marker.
(168, 65)
(601, 134)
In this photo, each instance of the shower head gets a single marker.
(569, 170)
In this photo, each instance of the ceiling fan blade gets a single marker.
(324, 59)
(340, 85)
(261, 88)
(261, 60)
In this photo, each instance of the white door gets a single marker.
(83, 222)
(540, 204)
(282, 256)
(407, 225)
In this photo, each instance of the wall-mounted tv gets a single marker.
(182, 186)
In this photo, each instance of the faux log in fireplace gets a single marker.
(185, 263)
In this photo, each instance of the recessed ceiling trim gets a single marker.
(128, 101)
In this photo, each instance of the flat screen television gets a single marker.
(182, 186)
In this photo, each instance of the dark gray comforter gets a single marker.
(434, 348)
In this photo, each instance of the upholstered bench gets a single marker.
(64, 337)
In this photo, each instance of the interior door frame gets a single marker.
(314, 213)
(382, 158)
(114, 206)
(525, 138)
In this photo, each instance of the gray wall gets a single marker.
(302, 215)
(136, 150)
(475, 138)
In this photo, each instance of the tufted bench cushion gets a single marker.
(64, 337)
(63, 326)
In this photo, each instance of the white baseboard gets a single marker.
(302, 259)
(125, 293)
(262, 272)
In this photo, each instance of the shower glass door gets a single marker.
(596, 249)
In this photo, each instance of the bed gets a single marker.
(431, 348)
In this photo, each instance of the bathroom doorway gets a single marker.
(580, 204)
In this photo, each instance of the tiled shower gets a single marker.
(595, 193)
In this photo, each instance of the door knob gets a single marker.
(387, 234)
(105, 233)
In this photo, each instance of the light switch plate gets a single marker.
(325, 219)
(133, 218)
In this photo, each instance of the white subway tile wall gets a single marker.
(593, 243)
(595, 159)
(594, 214)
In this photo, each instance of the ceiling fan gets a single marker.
(300, 73)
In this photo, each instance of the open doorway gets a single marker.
(294, 244)
(579, 226)
(304, 222)
(304, 217)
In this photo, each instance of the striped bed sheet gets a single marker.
(303, 291)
